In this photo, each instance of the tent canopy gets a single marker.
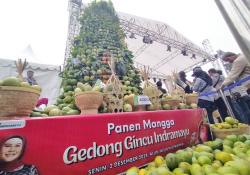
(47, 76)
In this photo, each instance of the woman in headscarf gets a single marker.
(159, 86)
(184, 83)
(203, 85)
(11, 152)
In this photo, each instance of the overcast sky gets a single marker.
(43, 24)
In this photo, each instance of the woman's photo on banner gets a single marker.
(12, 150)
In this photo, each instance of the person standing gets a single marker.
(30, 78)
(217, 82)
(203, 85)
(159, 86)
(240, 70)
(184, 83)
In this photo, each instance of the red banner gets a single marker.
(101, 144)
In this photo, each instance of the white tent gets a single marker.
(47, 76)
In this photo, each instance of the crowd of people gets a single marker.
(209, 86)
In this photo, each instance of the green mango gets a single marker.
(223, 157)
(209, 155)
(11, 81)
(228, 142)
(66, 109)
(67, 99)
(208, 169)
(194, 160)
(203, 148)
(203, 160)
(217, 144)
(233, 138)
(73, 112)
(185, 167)
(241, 165)
(227, 169)
(227, 149)
(238, 143)
(35, 114)
(217, 164)
(196, 169)
(178, 171)
(184, 156)
(242, 138)
(238, 149)
(171, 161)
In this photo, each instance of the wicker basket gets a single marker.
(17, 101)
(191, 99)
(89, 102)
(222, 133)
(173, 103)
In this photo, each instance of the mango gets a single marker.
(196, 169)
(159, 160)
(171, 161)
(241, 165)
(209, 169)
(203, 148)
(226, 169)
(11, 81)
(185, 167)
(204, 160)
(223, 157)
(232, 138)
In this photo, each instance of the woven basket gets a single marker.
(89, 102)
(17, 101)
(173, 103)
(222, 133)
(191, 99)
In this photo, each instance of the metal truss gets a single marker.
(74, 8)
(163, 34)
(160, 30)
(166, 60)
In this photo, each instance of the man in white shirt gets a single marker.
(240, 70)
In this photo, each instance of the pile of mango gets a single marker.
(230, 156)
(14, 81)
(229, 123)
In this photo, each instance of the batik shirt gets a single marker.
(23, 170)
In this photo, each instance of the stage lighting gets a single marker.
(169, 48)
(204, 60)
(184, 52)
(132, 36)
(193, 56)
(147, 40)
